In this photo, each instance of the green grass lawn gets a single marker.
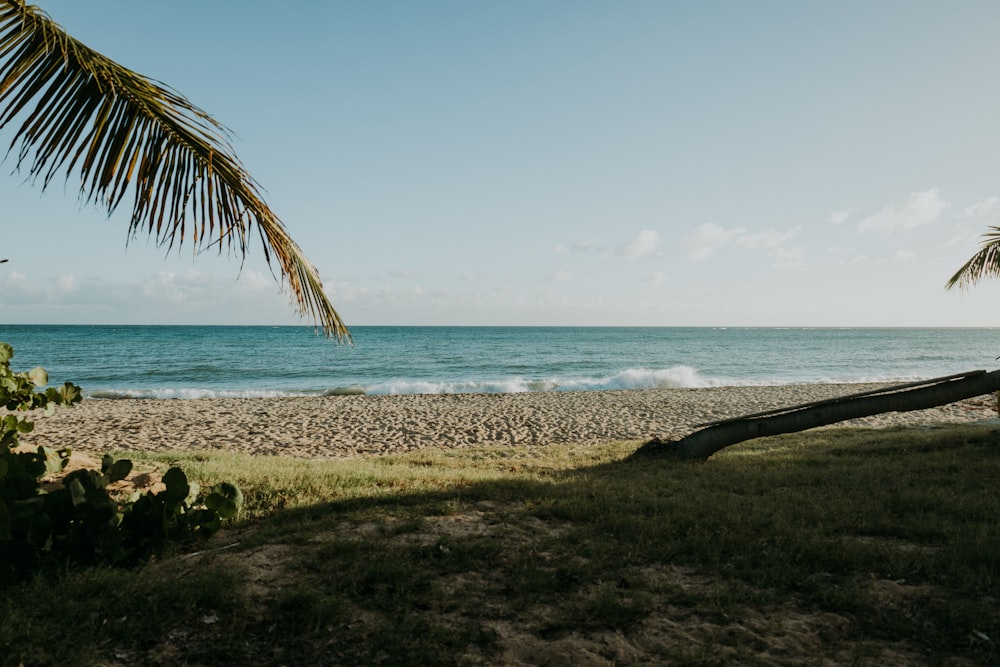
(849, 546)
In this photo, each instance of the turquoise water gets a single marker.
(197, 361)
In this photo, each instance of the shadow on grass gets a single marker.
(853, 546)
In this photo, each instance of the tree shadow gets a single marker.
(859, 543)
(606, 548)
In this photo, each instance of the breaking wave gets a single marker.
(678, 377)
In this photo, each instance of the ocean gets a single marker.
(254, 361)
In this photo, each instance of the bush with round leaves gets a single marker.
(81, 521)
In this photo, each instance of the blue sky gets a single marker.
(556, 163)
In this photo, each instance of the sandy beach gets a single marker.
(352, 426)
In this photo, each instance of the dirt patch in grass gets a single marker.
(143, 478)
(662, 614)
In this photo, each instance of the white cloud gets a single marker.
(786, 258)
(404, 274)
(162, 287)
(560, 276)
(255, 280)
(981, 209)
(193, 289)
(899, 256)
(590, 245)
(918, 208)
(161, 297)
(645, 244)
(655, 279)
(344, 291)
(839, 217)
(66, 282)
(16, 289)
(706, 239)
(15, 279)
(768, 239)
(965, 235)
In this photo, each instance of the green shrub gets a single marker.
(81, 521)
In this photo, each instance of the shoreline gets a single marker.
(354, 426)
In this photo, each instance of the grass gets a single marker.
(851, 546)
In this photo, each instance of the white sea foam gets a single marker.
(505, 386)
(676, 377)
(633, 378)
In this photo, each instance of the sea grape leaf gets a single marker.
(70, 393)
(194, 488)
(229, 490)
(39, 376)
(54, 460)
(119, 470)
(76, 491)
(224, 507)
(177, 485)
(223, 494)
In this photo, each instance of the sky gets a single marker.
(567, 162)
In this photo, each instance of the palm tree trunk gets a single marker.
(702, 444)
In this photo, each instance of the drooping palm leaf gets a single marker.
(984, 264)
(127, 135)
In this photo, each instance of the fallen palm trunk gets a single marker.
(900, 398)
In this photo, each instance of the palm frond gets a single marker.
(984, 264)
(126, 134)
